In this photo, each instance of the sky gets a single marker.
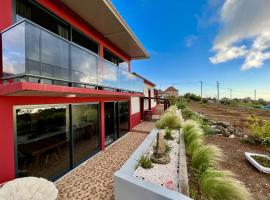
(203, 40)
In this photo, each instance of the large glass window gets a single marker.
(110, 122)
(43, 142)
(85, 42)
(123, 108)
(85, 125)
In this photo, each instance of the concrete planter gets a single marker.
(255, 163)
(126, 186)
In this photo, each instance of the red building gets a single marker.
(66, 86)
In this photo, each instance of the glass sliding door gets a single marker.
(42, 141)
(85, 126)
(123, 117)
(111, 125)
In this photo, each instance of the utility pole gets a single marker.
(255, 94)
(217, 92)
(201, 89)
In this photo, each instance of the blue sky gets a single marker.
(181, 36)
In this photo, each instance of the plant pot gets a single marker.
(255, 163)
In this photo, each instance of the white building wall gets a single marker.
(153, 102)
(135, 105)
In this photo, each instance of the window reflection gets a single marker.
(85, 124)
(13, 44)
(123, 117)
(107, 74)
(84, 66)
(42, 141)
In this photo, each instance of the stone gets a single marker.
(238, 132)
(159, 156)
(224, 131)
(232, 136)
(231, 129)
(224, 124)
(161, 146)
(160, 159)
(215, 130)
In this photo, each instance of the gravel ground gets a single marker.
(163, 174)
(94, 179)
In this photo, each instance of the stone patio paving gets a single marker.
(94, 179)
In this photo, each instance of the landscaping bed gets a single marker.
(165, 175)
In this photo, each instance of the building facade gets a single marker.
(66, 89)
(171, 92)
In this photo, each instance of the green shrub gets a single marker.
(181, 104)
(192, 97)
(168, 134)
(266, 141)
(217, 185)
(260, 128)
(187, 114)
(145, 162)
(205, 157)
(169, 120)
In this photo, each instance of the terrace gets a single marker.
(33, 54)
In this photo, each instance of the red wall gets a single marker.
(6, 14)
(135, 119)
(7, 168)
(68, 15)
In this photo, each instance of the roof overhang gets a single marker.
(103, 16)
(37, 89)
(145, 80)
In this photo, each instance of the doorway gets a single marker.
(111, 125)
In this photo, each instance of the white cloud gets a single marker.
(190, 40)
(243, 22)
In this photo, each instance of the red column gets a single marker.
(101, 53)
(102, 125)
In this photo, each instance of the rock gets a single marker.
(232, 136)
(215, 130)
(238, 132)
(231, 129)
(159, 156)
(224, 124)
(224, 131)
(161, 147)
(160, 159)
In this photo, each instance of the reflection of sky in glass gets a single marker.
(85, 67)
(13, 43)
(107, 74)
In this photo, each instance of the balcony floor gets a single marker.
(37, 89)
(94, 179)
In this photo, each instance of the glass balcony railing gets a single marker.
(32, 51)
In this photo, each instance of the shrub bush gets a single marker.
(169, 120)
(260, 129)
(217, 185)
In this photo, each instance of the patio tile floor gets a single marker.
(94, 179)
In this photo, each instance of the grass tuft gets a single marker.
(205, 157)
(169, 120)
(216, 185)
(145, 162)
